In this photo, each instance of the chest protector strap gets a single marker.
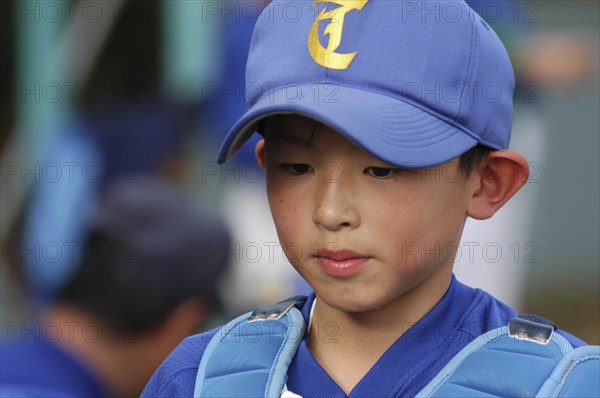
(249, 356)
(525, 359)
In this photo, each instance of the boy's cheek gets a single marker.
(285, 215)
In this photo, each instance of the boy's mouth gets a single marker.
(341, 263)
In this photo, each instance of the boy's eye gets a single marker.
(297, 168)
(380, 172)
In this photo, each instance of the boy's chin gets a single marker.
(352, 303)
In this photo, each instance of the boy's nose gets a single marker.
(334, 207)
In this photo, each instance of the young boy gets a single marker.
(386, 124)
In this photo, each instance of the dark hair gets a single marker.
(149, 248)
(106, 285)
(471, 159)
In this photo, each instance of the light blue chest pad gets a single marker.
(249, 357)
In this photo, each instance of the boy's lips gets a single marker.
(341, 263)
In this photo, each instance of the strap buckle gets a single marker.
(531, 328)
(275, 312)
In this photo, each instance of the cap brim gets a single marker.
(391, 129)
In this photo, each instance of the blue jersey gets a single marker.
(36, 367)
(403, 370)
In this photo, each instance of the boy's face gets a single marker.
(362, 232)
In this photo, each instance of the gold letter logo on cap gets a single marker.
(326, 56)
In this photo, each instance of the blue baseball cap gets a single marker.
(415, 84)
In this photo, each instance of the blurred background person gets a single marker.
(142, 277)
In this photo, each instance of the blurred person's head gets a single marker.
(147, 278)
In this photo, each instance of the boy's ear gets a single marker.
(259, 150)
(500, 176)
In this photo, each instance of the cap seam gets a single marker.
(470, 63)
(253, 41)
